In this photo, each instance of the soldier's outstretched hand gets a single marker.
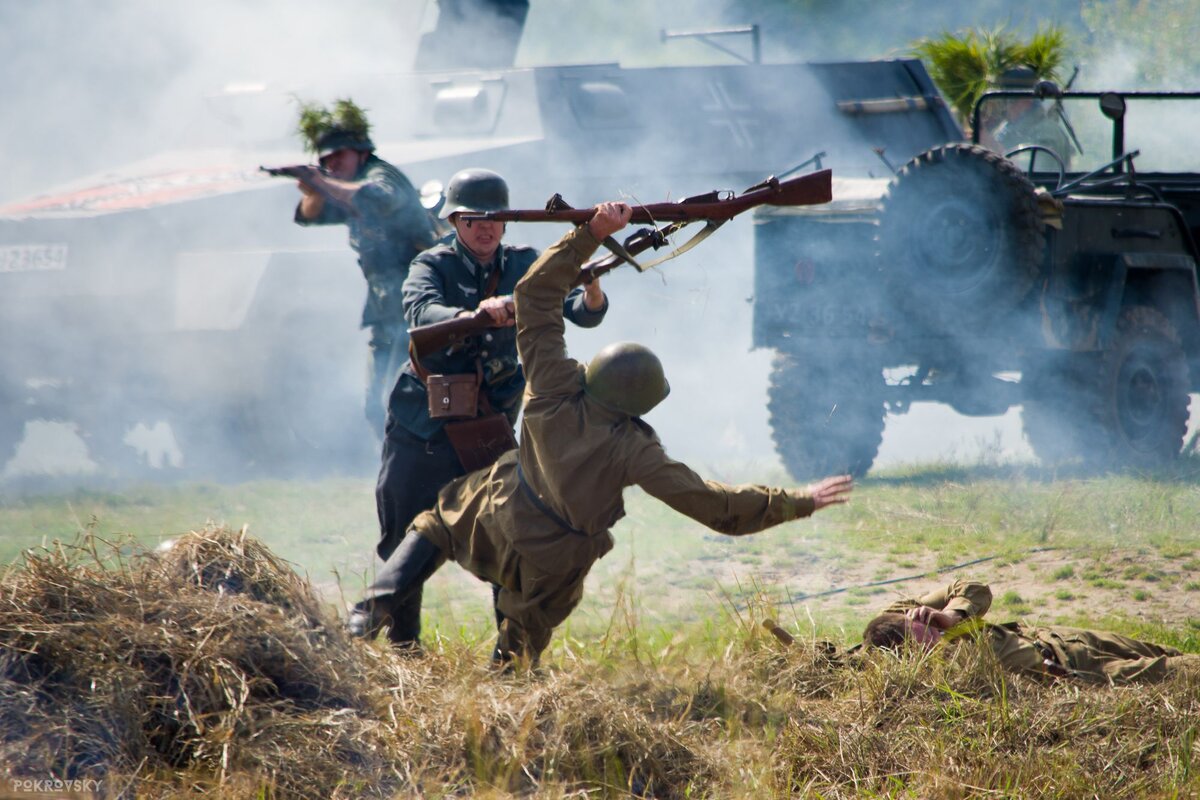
(609, 218)
(830, 491)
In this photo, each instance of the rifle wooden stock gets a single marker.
(448, 333)
(802, 191)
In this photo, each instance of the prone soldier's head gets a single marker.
(476, 190)
(340, 137)
(891, 630)
(627, 377)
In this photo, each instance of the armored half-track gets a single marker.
(1048, 263)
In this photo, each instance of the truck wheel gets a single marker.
(960, 236)
(1129, 409)
(826, 419)
(1142, 403)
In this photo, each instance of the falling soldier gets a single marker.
(535, 521)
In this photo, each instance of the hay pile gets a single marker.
(212, 667)
(212, 657)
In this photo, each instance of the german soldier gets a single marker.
(388, 227)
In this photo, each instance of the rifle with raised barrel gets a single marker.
(713, 209)
(305, 173)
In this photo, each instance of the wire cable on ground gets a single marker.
(937, 571)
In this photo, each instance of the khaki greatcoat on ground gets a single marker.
(1093, 656)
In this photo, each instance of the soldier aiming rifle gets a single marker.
(388, 227)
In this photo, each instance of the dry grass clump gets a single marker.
(952, 724)
(550, 733)
(208, 661)
(211, 667)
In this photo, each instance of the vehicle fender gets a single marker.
(1166, 281)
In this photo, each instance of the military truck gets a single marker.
(1056, 272)
(173, 299)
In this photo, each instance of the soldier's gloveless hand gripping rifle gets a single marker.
(713, 209)
(308, 175)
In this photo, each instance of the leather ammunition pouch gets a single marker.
(454, 396)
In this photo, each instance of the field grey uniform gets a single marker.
(417, 457)
(536, 521)
(390, 228)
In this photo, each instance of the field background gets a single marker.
(1119, 551)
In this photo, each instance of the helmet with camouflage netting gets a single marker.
(475, 189)
(628, 377)
(344, 127)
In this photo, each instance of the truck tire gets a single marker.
(826, 419)
(960, 237)
(1142, 402)
(1127, 410)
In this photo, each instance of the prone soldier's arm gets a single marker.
(968, 598)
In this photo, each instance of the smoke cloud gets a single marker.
(105, 90)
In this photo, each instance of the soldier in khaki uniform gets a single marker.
(536, 521)
(1052, 650)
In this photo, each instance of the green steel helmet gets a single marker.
(628, 377)
(475, 189)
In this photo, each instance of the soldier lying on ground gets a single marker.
(536, 521)
(1052, 650)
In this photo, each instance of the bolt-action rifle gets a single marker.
(309, 175)
(713, 209)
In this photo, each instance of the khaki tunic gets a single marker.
(1093, 656)
(576, 456)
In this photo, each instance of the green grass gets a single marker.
(677, 570)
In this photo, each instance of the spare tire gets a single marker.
(960, 237)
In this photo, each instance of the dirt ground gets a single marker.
(1049, 586)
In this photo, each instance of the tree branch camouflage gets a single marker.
(966, 64)
(318, 124)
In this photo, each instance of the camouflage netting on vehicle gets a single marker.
(210, 666)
